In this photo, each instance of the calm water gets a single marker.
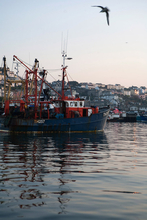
(76, 176)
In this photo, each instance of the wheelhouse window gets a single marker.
(57, 104)
(76, 104)
(81, 104)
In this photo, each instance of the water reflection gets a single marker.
(38, 170)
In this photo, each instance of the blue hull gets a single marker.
(142, 118)
(95, 122)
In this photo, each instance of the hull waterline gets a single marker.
(93, 123)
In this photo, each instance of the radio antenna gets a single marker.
(61, 42)
(64, 42)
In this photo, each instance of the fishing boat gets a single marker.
(62, 114)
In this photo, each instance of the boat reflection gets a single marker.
(40, 167)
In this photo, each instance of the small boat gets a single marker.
(142, 117)
(131, 116)
(61, 114)
(114, 115)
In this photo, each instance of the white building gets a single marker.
(134, 108)
(110, 86)
(127, 92)
(143, 109)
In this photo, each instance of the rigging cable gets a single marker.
(70, 76)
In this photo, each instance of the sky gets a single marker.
(42, 29)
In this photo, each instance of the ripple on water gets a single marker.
(83, 176)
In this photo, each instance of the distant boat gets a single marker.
(142, 117)
(115, 116)
(131, 116)
(61, 114)
(122, 116)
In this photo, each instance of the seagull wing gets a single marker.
(107, 16)
(101, 7)
(98, 6)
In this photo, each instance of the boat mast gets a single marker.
(35, 67)
(17, 70)
(4, 59)
(35, 81)
(64, 55)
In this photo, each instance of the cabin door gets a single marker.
(85, 112)
(64, 108)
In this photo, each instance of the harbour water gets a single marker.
(75, 176)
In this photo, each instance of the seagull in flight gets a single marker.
(104, 9)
